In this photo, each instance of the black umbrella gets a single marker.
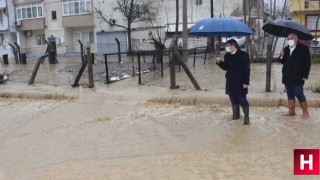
(283, 27)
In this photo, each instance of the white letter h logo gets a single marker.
(303, 162)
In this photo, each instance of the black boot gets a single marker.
(246, 114)
(235, 111)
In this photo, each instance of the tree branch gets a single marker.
(108, 21)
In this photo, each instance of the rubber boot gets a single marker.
(246, 114)
(235, 111)
(291, 108)
(304, 106)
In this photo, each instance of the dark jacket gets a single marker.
(238, 72)
(295, 66)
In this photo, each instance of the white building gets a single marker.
(7, 27)
(67, 20)
(73, 20)
(166, 18)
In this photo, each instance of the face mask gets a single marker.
(227, 48)
(291, 42)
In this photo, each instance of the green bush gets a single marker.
(315, 60)
(316, 88)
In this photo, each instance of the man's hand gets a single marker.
(245, 86)
(281, 54)
(218, 59)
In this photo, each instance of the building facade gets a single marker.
(67, 20)
(7, 26)
(34, 21)
(306, 12)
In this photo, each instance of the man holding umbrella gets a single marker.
(296, 67)
(295, 59)
(237, 66)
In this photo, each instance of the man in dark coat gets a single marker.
(237, 66)
(296, 67)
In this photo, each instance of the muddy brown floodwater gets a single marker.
(109, 133)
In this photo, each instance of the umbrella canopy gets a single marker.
(223, 27)
(283, 28)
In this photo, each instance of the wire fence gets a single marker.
(210, 77)
(153, 69)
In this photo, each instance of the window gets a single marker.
(2, 40)
(41, 39)
(29, 11)
(54, 15)
(1, 18)
(312, 22)
(74, 7)
(198, 2)
(306, 4)
(84, 37)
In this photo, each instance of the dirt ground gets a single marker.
(116, 132)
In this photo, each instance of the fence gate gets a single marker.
(107, 43)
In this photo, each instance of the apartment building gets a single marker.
(72, 20)
(7, 27)
(66, 20)
(306, 12)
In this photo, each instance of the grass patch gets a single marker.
(315, 60)
(316, 88)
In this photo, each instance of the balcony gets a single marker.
(30, 24)
(85, 20)
(16, 2)
(3, 4)
(304, 6)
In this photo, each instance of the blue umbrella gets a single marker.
(223, 27)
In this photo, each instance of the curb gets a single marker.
(254, 101)
(36, 95)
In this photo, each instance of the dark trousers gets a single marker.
(239, 99)
(295, 91)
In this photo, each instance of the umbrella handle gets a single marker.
(284, 42)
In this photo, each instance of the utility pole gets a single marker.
(177, 17)
(274, 9)
(270, 5)
(185, 32)
(212, 15)
(211, 7)
(244, 4)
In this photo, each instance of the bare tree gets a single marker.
(133, 11)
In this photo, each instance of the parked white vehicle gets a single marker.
(240, 40)
(315, 40)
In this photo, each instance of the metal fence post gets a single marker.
(19, 52)
(194, 57)
(107, 68)
(81, 51)
(154, 61)
(268, 70)
(139, 68)
(119, 50)
(90, 70)
(172, 63)
(161, 63)
(205, 56)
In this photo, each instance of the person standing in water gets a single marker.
(237, 66)
(296, 67)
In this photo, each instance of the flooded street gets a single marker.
(114, 132)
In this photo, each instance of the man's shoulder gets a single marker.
(243, 53)
(302, 46)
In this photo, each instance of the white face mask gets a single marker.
(291, 42)
(227, 48)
